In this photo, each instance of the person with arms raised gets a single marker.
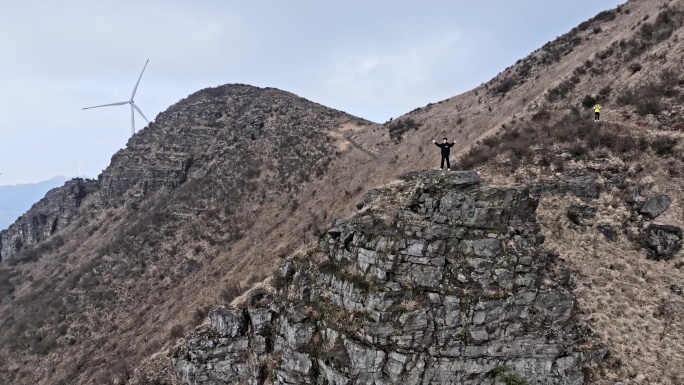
(446, 149)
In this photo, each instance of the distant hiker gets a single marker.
(446, 148)
(597, 112)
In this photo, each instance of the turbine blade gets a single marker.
(132, 120)
(107, 105)
(138, 82)
(140, 112)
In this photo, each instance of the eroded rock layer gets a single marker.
(437, 280)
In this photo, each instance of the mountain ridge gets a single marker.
(174, 229)
(17, 199)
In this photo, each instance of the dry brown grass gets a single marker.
(136, 321)
(624, 297)
(621, 294)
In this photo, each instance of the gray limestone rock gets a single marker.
(662, 241)
(654, 206)
(46, 217)
(451, 288)
(632, 195)
(228, 323)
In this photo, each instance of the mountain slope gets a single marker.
(172, 224)
(528, 124)
(207, 200)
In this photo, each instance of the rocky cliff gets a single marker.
(46, 217)
(438, 280)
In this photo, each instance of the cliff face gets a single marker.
(46, 217)
(438, 280)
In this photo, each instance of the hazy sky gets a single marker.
(374, 59)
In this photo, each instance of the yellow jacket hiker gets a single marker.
(597, 111)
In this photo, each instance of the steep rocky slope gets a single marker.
(611, 208)
(45, 218)
(438, 280)
(195, 206)
(610, 193)
(15, 200)
(208, 199)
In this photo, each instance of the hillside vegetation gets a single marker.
(210, 198)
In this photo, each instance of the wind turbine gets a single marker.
(133, 106)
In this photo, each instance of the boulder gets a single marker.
(581, 214)
(608, 232)
(632, 195)
(662, 241)
(655, 206)
(584, 186)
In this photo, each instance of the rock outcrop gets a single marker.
(662, 241)
(438, 280)
(654, 206)
(46, 217)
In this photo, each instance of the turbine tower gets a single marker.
(133, 106)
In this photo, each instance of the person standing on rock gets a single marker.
(597, 112)
(446, 148)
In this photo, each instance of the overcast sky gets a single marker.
(374, 59)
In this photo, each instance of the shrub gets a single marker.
(541, 115)
(512, 379)
(230, 292)
(503, 86)
(578, 149)
(604, 92)
(651, 105)
(647, 97)
(177, 331)
(561, 90)
(663, 145)
(589, 101)
(605, 16)
(329, 267)
(635, 67)
(504, 374)
(399, 127)
(608, 52)
(201, 314)
(578, 139)
(360, 282)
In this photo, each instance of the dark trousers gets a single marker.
(447, 160)
(596, 115)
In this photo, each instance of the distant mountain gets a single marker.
(17, 199)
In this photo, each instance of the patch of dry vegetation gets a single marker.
(129, 278)
(625, 298)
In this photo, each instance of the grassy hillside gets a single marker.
(208, 200)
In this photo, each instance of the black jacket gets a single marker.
(446, 147)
